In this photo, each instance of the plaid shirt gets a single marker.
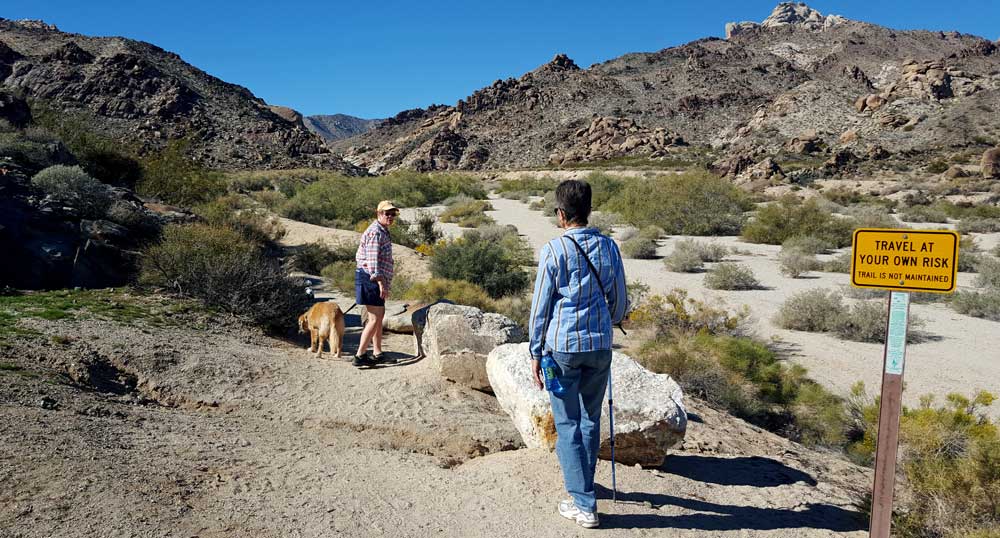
(568, 312)
(375, 253)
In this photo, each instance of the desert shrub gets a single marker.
(977, 304)
(969, 254)
(979, 225)
(731, 276)
(517, 249)
(33, 155)
(341, 202)
(871, 216)
(652, 232)
(989, 273)
(937, 166)
(340, 275)
(952, 467)
(604, 222)
(311, 258)
(807, 244)
(515, 307)
(133, 216)
(865, 322)
(744, 377)
(218, 266)
(468, 214)
(795, 263)
(675, 313)
(475, 259)
(238, 213)
(272, 200)
(685, 258)
(816, 310)
(923, 213)
(457, 291)
(637, 292)
(711, 252)
(640, 248)
(173, 177)
(839, 264)
(627, 233)
(427, 232)
(73, 185)
(790, 217)
(693, 203)
(528, 185)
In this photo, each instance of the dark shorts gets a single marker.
(365, 291)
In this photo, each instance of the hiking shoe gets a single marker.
(382, 358)
(362, 361)
(587, 520)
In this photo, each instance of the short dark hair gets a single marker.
(574, 197)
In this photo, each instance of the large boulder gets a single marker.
(990, 165)
(459, 338)
(650, 417)
(398, 316)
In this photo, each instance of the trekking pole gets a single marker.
(611, 424)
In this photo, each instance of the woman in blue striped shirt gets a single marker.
(575, 305)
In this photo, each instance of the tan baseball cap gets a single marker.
(386, 205)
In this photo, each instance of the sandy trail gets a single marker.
(251, 436)
(961, 357)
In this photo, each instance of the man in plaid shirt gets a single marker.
(372, 281)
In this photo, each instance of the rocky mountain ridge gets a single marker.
(143, 96)
(797, 72)
(338, 126)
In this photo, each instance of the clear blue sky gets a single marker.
(375, 58)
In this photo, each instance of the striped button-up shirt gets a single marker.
(375, 253)
(568, 312)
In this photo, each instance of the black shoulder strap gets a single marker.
(597, 276)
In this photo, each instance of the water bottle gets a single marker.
(552, 383)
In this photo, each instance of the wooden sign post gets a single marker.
(903, 260)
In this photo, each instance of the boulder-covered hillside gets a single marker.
(142, 95)
(338, 126)
(762, 86)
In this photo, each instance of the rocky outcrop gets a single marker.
(805, 143)
(143, 97)
(990, 163)
(931, 80)
(14, 109)
(607, 138)
(458, 339)
(788, 14)
(56, 247)
(650, 417)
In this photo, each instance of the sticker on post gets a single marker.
(895, 341)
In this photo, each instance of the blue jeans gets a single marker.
(577, 413)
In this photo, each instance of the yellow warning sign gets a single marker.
(915, 260)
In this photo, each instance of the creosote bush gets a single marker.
(483, 260)
(790, 217)
(640, 248)
(468, 214)
(173, 177)
(311, 258)
(731, 276)
(795, 263)
(977, 304)
(218, 266)
(457, 291)
(820, 310)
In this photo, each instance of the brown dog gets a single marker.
(321, 321)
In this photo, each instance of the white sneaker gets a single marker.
(587, 520)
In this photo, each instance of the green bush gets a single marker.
(675, 313)
(218, 266)
(978, 305)
(816, 310)
(652, 233)
(790, 217)
(342, 201)
(692, 203)
(640, 248)
(238, 213)
(603, 222)
(937, 166)
(468, 214)
(476, 259)
(427, 232)
(528, 185)
(32, 154)
(711, 252)
(76, 187)
(731, 276)
(457, 291)
(173, 177)
(969, 254)
(133, 216)
(341, 275)
(795, 263)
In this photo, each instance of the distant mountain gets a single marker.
(143, 96)
(338, 126)
(799, 79)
